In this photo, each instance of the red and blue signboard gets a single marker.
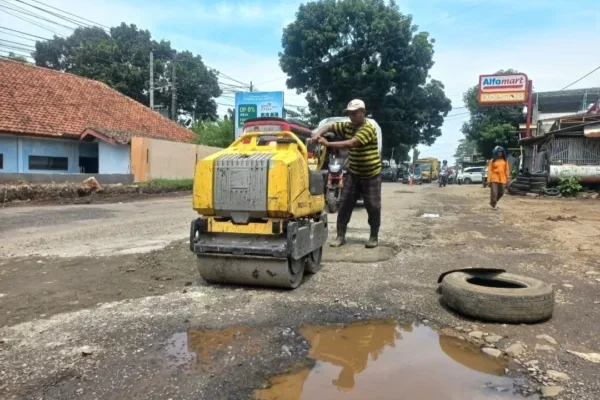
(503, 89)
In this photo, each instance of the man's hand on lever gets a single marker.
(319, 135)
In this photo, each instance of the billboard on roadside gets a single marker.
(250, 105)
(503, 89)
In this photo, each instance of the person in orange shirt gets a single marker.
(498, 174)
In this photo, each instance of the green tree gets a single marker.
(214, 133)
(465, 148)
(491, 126)
(121, 58)
(15, 57)
(339, 50)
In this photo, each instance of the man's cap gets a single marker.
(355, 104)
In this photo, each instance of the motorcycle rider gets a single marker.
(444, 170)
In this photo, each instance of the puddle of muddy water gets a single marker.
(199, 348)
(385, 360)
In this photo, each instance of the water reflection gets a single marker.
(384, 360)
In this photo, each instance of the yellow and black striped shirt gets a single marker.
(364, 160)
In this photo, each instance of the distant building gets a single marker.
(59, 123)
(566, 139)
(550, 106)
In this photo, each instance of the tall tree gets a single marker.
(465, 148)
(121, 58)
(337, 50)
(491, 126)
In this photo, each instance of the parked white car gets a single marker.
(471, 175)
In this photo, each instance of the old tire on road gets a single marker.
(500, 297)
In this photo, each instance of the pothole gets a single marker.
(386, 360)
(357, 253)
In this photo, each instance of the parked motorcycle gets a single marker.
(335, 183)
(443, 179)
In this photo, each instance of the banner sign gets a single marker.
(250, 105)
(509, 89)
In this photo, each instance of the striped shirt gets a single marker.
(364, 160)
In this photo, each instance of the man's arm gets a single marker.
(323, 130)
(336, 128)
(345, 144)
(363, 137)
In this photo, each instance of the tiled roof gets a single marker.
(44, 102)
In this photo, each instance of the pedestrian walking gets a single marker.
(364, 178)
(498, 175)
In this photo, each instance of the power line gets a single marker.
(16, 53)
(32, 14)
(582, 78)
(19, 43)
(23, 33)
(8, 46)
(71, 20)
(33, 22)
(394, 37)
(18, 36)
(68, 13)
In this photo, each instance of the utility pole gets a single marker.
(173, 95)
(151, 80)
(250, 85)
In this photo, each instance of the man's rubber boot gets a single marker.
(338, 242)
(372, 243)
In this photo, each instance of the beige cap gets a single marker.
(355, 104)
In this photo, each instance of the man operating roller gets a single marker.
(364, 178)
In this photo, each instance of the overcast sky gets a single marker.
(553, 41)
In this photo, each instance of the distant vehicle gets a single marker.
(389, 173)
(430, 168)
(471, 175)
(417, 179)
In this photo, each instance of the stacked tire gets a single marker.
(539, 181)
(531, 183)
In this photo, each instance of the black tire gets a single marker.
(539, 175)
(538, 185)
(552, 192)
(313, 264)
(296, 268)
(523, 180)
(467, 181)
(539, 179)
(529, 300)
(521, 187)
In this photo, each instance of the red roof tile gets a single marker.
(40, 101)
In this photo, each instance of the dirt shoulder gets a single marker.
(26, 194)
(127, 308)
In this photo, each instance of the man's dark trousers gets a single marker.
(370, 189)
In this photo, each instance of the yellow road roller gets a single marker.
(261, 204)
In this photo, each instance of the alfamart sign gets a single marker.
(503, 89)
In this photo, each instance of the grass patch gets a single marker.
(172, 184)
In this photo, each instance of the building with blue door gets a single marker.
(57, 123)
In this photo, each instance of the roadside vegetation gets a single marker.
(569, 187)
(171, 184)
